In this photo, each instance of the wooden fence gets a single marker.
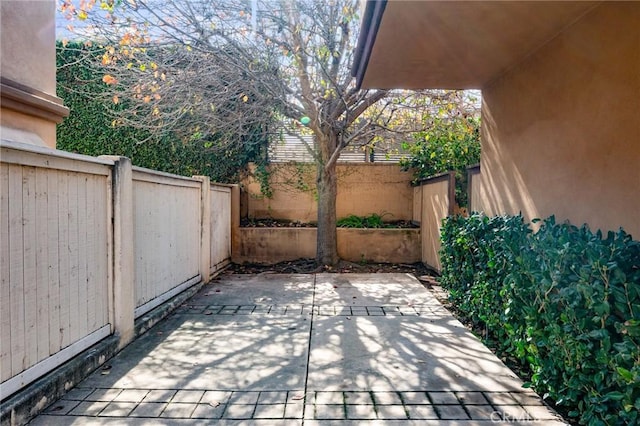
(434, 200)
(166, 224)
(87, 245)
(220, 227)
(473, 188)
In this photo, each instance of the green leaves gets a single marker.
(450, 144)
(565, 301)
(91, 129)
(372, 221)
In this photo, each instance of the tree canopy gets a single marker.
(230, 69)
(90, 130)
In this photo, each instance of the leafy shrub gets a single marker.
(352, 221)
(565, 301)
(450, 144)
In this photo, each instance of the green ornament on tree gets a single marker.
(305, 120)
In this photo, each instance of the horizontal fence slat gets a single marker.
(152, 176)
(54, 160)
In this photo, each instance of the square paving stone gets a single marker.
(239, 411)
(178, 410)
(148, 409)
(443, 398)
(500, 398)
(208, 411)
(362, 398)
(78, 394)
(527, 398)
(451, 412)
(482, 412)
(415, 398)
(387, 398)
(103, 395)
(216, 397)
(421, 412)
(188, 396)
(294, 411)
(61, 407)
(159, 395)
(272, 397)
(131, 395)
(269, 411)
(118, 409)
(329, 398)
(328, 412)
(361, 412)
(475, 398)
(343, 310)
(244, 398)
(391, 412)
(89, 408)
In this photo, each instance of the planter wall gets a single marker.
(273, 245)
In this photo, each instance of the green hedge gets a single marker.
(564, 301)
(89, 130)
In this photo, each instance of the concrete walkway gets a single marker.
(305, 349)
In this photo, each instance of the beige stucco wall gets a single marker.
(28, 66)
(28, 43)
(363, 189)
(561, 131)
(273, 245)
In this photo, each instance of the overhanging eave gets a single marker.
(454, 44)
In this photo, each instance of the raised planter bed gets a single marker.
(269, 245)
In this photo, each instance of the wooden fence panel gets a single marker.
(5, 291)
(166, 235)
(58, 252)
(473, 188)
(220, 226)
(54, 263)
(438, 200)
(416, 216)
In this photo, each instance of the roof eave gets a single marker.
(372, 16)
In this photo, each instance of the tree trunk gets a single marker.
(327, 186)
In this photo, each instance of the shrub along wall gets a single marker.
(564, 301)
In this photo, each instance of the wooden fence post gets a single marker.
(124, 302)
(205, 228)
(235, 221)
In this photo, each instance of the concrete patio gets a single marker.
(304, 349)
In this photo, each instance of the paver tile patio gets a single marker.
(361, 349)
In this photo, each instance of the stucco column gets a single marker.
(124, 302)
(29, 107)
(205, 227)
